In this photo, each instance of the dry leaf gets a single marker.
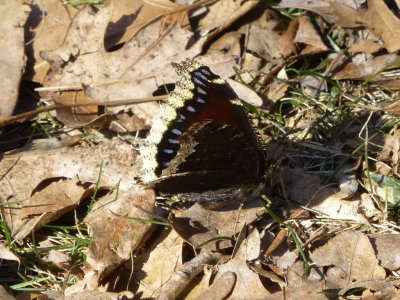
(5, 295)
(308, 35)
(59, 260)
(245, 93)
(114, 236)
(277, 89)
(44, 206)
(151, 273)
(313, 85)
(386, 187)
(47, 26)
(266, 45)
(387, 250)
(220, 288)
(33, 177)
(181, 278)
(87, 295)
(129, 17)
(376, 289)
(286, 41)
(248, 284)
(222, 14)
(13, 15)
(350, 258)
(7, 254)
(138, 69)
(306, 189)
(198, 225)
(378, 17)
(365, 67)
(308, 290)
(366, 46)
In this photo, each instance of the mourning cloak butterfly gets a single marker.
(202, 146)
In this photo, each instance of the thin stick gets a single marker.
(7, 120)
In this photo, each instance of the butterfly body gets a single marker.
(202, 146)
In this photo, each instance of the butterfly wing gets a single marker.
(203, 139)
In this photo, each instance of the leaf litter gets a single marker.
(322, 75)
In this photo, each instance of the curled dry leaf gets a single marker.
(34, 188)
(13, 15)
(44, 206)
(378, 18)
(114, 243)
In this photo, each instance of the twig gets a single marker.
(181, 278)
(7, 120)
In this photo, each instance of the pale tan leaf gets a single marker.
(7, 254)
(129, 17)
(114, 236)
(365, 46)
(308, 35)
(223, 14)
(58, 259)
(13, 15)
(87, 295)
(151, 272)
(309, 290)
(47, 26)
(5, 295)
(245, 93)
